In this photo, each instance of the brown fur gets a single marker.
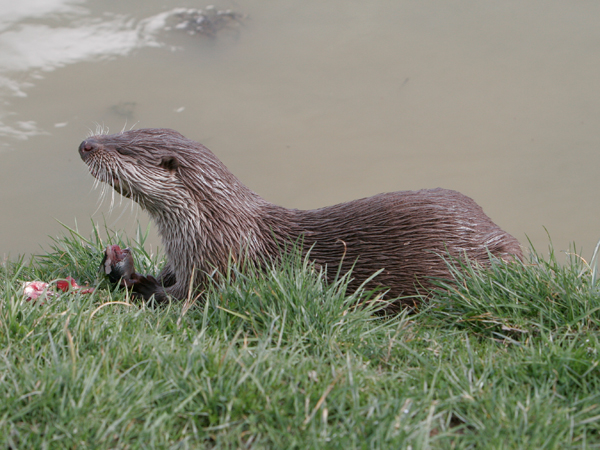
(205, 215)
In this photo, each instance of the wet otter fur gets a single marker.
(205, 216)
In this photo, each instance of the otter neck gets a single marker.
(219, 225)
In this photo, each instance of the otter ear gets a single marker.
(170, 163)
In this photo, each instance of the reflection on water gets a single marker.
(31, 48)
(311, 103)
(14, 12)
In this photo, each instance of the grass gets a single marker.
(505, 358)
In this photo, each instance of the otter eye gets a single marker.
(170, 163)
(123, 151)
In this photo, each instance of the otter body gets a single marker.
(205, 216)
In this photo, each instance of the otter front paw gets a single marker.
(145, 287)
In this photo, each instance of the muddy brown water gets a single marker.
(311, 103)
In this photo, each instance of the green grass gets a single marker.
(506, 358)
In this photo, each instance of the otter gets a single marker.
(206, 217)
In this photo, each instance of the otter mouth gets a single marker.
(124, 192)
(121, 187)
(115, 181)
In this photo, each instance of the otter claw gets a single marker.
(131, 281)
(145, 287)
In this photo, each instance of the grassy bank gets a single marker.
(505, 359)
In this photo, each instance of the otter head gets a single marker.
(150, 166)
(166, 173)
(201, 209)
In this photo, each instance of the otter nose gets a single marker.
(87, 147)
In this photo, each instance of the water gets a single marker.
(311, 103)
